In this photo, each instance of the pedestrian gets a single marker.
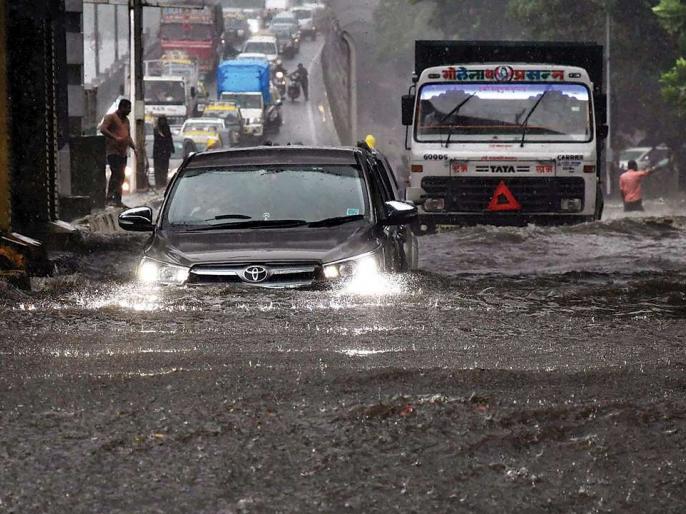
(162, 150)
(117, 131)
(304, 80)
(630, 186)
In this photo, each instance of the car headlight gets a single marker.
(365, 265)
(155, 272)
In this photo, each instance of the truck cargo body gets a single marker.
(505, 132)
(197, 32)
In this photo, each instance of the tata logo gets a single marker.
(503, 169)
(435, 157)
(504, 73)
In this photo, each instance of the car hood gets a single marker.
(325, 244)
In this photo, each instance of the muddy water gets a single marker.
(519, 367)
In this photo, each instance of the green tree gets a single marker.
(672, 16)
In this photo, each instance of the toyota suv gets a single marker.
(287, 216)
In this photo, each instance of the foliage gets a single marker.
(672, 16)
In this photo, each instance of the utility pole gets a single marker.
(608, 90)
(137, 93)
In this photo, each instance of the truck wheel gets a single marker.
(423, 228)
(599, 204)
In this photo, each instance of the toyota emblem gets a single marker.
(255, 274)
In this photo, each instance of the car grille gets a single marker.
(278, 274)
(536, 195)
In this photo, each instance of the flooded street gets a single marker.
(521, 366)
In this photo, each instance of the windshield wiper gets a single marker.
(330, 222)
(525, 123)
(456, 110)
(230, 217)
(252, 224)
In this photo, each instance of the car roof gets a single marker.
(275, 155)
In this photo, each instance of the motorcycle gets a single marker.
(280, 82)
(294, 86)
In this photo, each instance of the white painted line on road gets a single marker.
(310, 113)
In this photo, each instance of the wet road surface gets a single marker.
(521, 369)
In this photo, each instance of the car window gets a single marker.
(310, 193)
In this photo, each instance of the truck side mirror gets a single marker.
(193, 92)
(603, 131)
(407, 109)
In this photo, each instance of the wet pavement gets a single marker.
(533, 368)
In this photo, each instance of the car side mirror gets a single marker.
(603, 131)
(399, 213)
(138, 219)
(407, 109)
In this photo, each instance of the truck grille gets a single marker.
(535, 194)
(277, 274)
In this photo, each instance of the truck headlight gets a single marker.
(155, 272)
(361, 266)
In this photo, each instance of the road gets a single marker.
(309, 122)
(522, 369)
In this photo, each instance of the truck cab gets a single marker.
(505, 141)
(166, 96)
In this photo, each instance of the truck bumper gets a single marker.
(427, 222)
(254, 130)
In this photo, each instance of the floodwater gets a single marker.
(531, 366)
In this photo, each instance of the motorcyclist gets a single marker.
(279, 67)
(304, 80)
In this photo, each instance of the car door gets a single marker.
(405, 242)
(394, 251)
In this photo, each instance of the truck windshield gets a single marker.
(164, 92)
(186, 32)
(497, 112)
(243, 101)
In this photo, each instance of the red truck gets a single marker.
(198, 32)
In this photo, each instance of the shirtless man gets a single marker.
(117, 131)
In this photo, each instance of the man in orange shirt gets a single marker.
(117, 131)
(630, 186)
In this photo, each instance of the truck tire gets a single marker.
(599, 204)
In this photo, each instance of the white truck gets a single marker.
(166, 96)
(505, 132)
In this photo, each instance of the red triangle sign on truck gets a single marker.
(503, 199)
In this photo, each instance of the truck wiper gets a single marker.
(456, 110)
(330, 222)
(252, 224)
(525, 123)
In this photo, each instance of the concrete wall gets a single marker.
(336, 67)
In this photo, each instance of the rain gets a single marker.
(284, 355)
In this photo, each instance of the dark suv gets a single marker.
(285, 216)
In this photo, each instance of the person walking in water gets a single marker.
(117, 131)
(630, 186)
(162, 150)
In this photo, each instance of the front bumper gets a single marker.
(428, 221)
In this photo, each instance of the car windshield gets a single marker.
(260, 47)
(499, 112)
(281, 30)
(186, 32)
(243, 101)
(310, 193)
(164, 92)
(303, 14)
(631, 155)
